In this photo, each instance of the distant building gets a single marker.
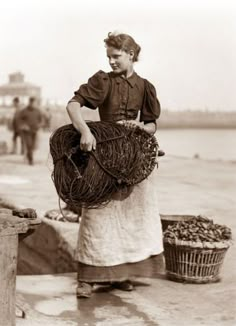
(17, 86)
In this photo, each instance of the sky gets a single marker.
(188, 47)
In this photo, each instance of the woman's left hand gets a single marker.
(149, 127)
(131, 122)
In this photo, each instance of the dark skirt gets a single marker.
(150, 267)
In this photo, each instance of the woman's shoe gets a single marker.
(84, 290)
(123, 286)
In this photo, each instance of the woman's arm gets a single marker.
(87, 141)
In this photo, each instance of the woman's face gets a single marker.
(119, 60)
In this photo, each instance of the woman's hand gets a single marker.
(87, 141)
(135, 123)
(131, 122)
(149, 127)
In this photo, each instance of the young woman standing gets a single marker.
(122, 240)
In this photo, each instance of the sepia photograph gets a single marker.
(117, 163)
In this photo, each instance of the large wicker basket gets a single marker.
(194, 262)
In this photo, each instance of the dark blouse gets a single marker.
(119, 98)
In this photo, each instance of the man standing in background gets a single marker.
(30, 122)
(16, 127)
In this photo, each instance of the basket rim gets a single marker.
(175, 218)
(197, 244)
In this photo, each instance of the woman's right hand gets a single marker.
(87, 141)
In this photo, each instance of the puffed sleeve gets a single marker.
(94, 93)
(151, 108)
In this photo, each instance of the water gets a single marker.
(212, 144)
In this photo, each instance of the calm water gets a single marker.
(210, 144)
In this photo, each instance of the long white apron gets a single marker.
(124, 231)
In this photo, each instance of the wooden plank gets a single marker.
(8, 264)
(10, 227)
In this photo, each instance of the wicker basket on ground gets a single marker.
(194, 248)
(191, 262)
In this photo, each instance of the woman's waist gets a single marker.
(116, 115)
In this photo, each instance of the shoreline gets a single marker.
(219, 160)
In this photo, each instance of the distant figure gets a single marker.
(30, 122)
(16, 127)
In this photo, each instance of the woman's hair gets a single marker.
(123, 42)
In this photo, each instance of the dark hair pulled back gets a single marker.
(123, 42)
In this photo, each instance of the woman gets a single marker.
(122, 240)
